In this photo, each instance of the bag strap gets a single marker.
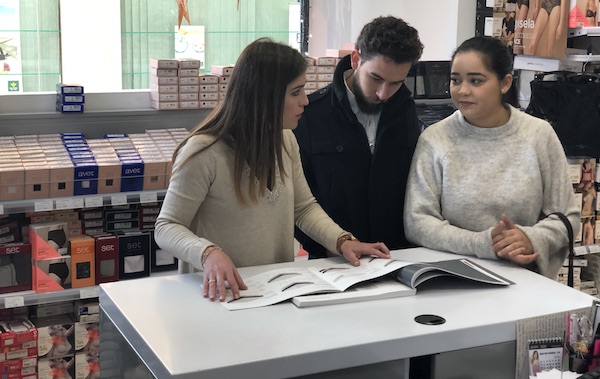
(567, 223)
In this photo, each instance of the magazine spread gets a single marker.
(332, 278)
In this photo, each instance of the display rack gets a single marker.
(83, 201)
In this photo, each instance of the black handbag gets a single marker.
(570, 102)
(571, 255)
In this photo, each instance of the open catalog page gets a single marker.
(334, 279)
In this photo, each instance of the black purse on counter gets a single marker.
(570, 102)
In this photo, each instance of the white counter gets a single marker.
(178, 333)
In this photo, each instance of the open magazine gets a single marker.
(329, 277)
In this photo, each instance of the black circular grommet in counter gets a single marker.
(430, 320)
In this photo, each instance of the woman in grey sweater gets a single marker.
(483, 179)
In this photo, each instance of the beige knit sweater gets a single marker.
(201, 209)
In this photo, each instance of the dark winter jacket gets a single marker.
(362, 192)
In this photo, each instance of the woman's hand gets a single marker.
(353, 250)
(509, 242)
(218, 269)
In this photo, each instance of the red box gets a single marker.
(107, 258)
(23, 365)
(17, 332)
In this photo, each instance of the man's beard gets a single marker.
(361, 100)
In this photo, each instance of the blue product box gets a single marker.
(70, 99)
(132, 175)
(72, 135)
(115, 135)
(71, 89)
(86, 177)
(69, 108)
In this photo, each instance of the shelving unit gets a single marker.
(84, 201)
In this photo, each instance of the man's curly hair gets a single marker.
(391, 37)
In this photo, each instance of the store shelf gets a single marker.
(590, 32)
(27, 298)
(77, 202)
(587, 249)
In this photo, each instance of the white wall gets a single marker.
(442, 24)
(88, 44)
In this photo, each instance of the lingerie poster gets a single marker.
(583, 13)
(541, 27)
(10, 54)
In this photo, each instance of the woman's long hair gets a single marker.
(250, 117)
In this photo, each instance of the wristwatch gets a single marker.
(343, 238)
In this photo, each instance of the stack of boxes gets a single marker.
(319, 72)
(223, 74)
(18, 348)
(87, 339)
(174, 83)
(56, 346)
(51, 263)
(69, 98)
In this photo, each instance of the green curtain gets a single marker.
(40, 45)
(147, 28)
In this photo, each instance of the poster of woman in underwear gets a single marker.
(541, 27)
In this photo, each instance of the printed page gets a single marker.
(344, 275)
(381, 288)
(274, 286)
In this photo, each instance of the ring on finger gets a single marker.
(211, 281)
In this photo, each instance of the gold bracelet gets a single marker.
(343, 238)
(207, 252)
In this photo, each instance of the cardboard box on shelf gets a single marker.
(82, 251)
(15, 267)
(52, 274)
(48, 240)
(164, 63)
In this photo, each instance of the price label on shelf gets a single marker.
(93, 202)
(1, 209)
(118, 200)
(42, 206)
(64, 204)
(148, 197)
(14, 301)
(594, 249)
(88, 293)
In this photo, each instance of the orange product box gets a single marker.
(81, 249)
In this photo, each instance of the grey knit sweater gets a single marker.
(464, 177)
